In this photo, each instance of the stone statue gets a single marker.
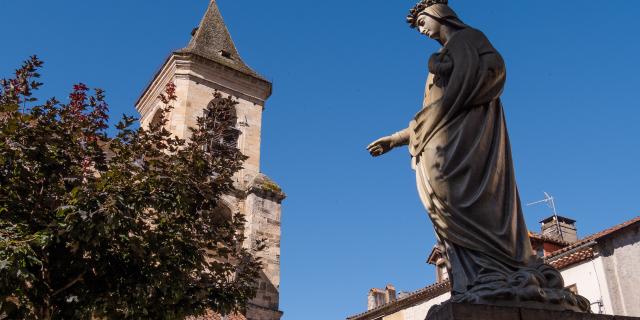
(464, 171)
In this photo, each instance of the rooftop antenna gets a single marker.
(548, 199)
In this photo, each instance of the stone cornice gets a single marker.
(155, 87)
(264, 187)
(200, 69)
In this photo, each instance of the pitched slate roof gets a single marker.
(211, 40)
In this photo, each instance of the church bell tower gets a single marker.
(208, 63)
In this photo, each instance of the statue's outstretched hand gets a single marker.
(381, 146)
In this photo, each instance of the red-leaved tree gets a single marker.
(121, 227)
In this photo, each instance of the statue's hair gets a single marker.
(412, 18)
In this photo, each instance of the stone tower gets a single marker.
(211, 62)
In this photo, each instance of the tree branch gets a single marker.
(70, 284)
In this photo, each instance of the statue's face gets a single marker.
(429, 27)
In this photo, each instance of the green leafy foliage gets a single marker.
(127, 227)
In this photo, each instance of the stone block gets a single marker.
(455, 311)
(460, 311)
(531, 314)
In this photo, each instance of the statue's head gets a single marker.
(428, 16)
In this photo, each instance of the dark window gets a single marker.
(155, 120)
(225, 121)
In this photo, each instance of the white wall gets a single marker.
(621, 261)
(419, 311)
(589, 278)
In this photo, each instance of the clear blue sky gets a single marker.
(347, 72)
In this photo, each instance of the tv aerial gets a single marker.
(548, 199)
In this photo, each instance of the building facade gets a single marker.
(603, 267)
(210, 63)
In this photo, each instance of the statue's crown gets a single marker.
(412, 18)
(429, 3)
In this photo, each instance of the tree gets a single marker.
(126, 227)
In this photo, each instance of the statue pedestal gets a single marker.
(460, 311)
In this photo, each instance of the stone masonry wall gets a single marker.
(263, 222)
(621, 260)
(196, 80)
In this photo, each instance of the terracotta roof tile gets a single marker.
(540, 237)
(594, 237)
(556, 259)
(564, 257)
(435, 290)
(573, 258)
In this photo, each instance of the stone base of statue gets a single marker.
(465, 311)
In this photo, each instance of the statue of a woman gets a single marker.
(464, 171)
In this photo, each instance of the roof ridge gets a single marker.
(594, 237)
(442, 285)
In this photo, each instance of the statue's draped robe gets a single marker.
(463, 163)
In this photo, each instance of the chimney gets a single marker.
(379, 297)
(560, 228)
(375, 298)
(390, 293)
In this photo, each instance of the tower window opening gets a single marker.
(158, 117)
(225, 54)
(224, 124)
